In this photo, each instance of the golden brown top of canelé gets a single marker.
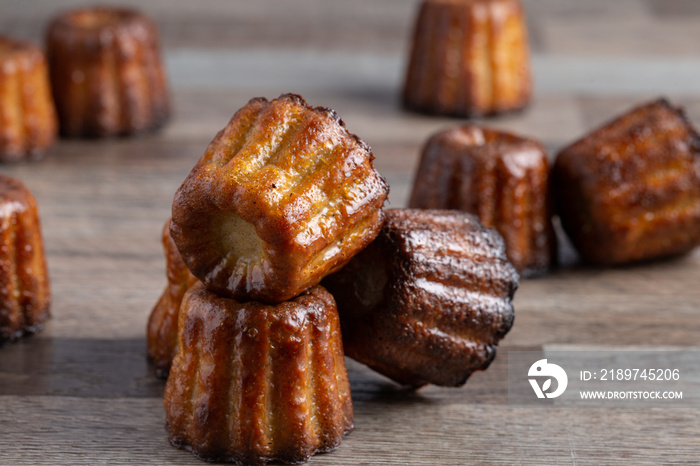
(12, 50)
(95, 18)
(93, 22)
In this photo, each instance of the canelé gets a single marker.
(469, 57)
(500, 177)
(253, 383)
(106, 73)
(283, 196)
(630, 190)
(162, 325)
(428, 300)
(24, 280)
(27, 115)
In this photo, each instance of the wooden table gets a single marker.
(81, 391)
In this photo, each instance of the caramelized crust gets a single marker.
(106, 73)
(162, 325)
(501, 178)
(630, 190)
(428, 300)
(469, 57)
(24, 281)
(283, 196)
(253, 383)
(27, 116)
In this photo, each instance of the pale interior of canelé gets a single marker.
(96, 18)
(240, 240)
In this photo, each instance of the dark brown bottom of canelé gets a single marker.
(9, 337)
(161, 371)
(287, 459)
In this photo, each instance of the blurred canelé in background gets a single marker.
(469, 58)
(106, 73)
(27, 116)
(501, 178)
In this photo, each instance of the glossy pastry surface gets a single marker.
(283, 196)
(162, 324)
(24, 282)
(428, 300)
(252, 383)
(500, 177)
(630, 190)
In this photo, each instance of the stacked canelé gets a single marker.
(284, 197)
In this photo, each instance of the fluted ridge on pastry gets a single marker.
(439, 271)
(428, 300)
(630, 190)
(253, 383)
(306, 185)
(28, 123)
(500, 177)
(106, 72)
(468, 58)
(161, 331)
(24, 282)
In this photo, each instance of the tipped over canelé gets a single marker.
(28, 123)
(24, 281)
(253, 383)
(106, 72)
(161, 332)
(283, 196)
(630, 190)
(428, 300)
(468, 58)
(500, 177)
